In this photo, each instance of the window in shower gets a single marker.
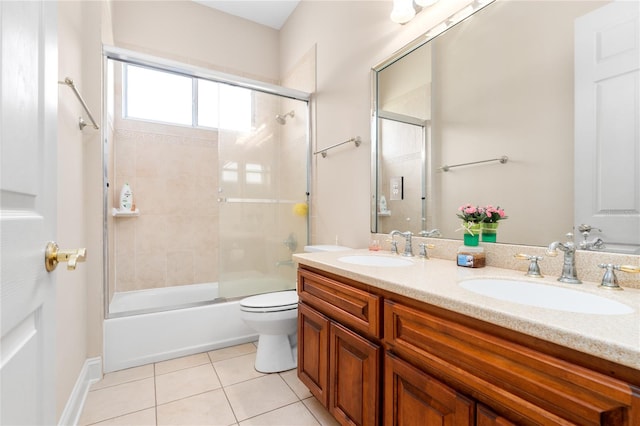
(166, 97)
(237, 112)
(254, 173)
(143, 99)
(230, 171)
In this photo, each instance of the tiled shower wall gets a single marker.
(173, 174)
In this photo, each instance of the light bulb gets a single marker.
(403, 11)
(426, 3)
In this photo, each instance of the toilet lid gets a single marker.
(279, 300)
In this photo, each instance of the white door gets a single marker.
(607, 134)
(28, 111)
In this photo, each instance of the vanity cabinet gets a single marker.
(338, 354)
(412, 397)
(359, 345)
(486, 417)
(528, 386)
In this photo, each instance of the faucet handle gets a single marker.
(423, 250)
(432, 233)
(582, 228)
(534, 268)
(609, 279)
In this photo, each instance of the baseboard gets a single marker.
(91, 372)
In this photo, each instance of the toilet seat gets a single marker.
(270, 302)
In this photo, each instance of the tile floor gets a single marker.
(212, 388)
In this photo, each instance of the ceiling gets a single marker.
(272, 13)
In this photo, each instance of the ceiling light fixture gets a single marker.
(404, 10)
(425, 3)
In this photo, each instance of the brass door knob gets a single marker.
(53, 255)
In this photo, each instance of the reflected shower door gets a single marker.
(263, 185)
(403, 172)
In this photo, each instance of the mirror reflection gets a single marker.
(530, 106)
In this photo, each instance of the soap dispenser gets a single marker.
(383, 204)
(126, 198)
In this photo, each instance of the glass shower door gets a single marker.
(263, 185)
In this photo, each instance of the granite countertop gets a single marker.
(435, 281)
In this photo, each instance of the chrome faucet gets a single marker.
(408, 250)
(595, 244)
(432, 233)
(569, 272)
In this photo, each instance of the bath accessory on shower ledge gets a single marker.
(357, 141)
(125, 213)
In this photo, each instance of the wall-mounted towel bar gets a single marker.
(502, 160)
(68, 82)
(357, 141)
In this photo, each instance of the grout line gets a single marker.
(310, 411)
(155, 393)
(117, 417)
(287, 383)
(286, 405)
(182, 369)
(235, 416)
(189, 396)
(121, 383)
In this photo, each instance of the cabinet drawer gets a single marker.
(352, 307)
(527, 386)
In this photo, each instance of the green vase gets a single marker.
(489, 232)
(471, 235)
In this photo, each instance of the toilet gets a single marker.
(275, 317)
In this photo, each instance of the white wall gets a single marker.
(79, 293)
(197, 35)
(349, 37)
(71, 319)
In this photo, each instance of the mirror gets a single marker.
(499, 110)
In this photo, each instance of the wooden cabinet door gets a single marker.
(313, 352)
(354, 381)
(412, 397)
(486, 417)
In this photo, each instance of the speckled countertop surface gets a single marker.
(435, 281)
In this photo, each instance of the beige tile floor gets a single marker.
(212, 388)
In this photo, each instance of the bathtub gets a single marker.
(134, 340)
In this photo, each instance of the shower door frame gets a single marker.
(162, 64)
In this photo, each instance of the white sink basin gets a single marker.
(545, 296)
(365, 260)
